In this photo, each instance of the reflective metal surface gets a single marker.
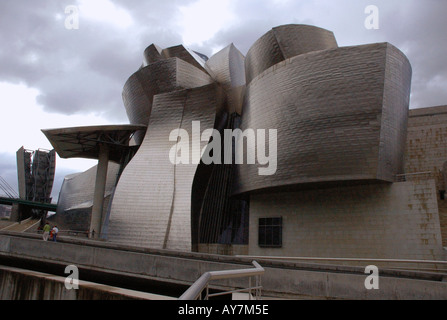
(285, 42)
(340, 115)
(227, 69)
(75, 202)
(152, 203)
(159, 77)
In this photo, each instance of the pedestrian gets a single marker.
(55, 230)
(46, 231)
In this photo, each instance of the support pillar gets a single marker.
(100, 187)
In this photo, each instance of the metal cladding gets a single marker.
(75, 202)
(159, 77)
(152, 54)
(227, 69)
(340, 115)
(84, 142)
(152, 202)
(285, 42)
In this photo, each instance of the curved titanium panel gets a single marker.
(227, 68)
(340, 115)
(152, 202)
(285, 42)
(160, 77)
(152, 54)
(76, 198)
(186, 55)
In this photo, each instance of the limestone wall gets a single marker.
(386, 221)
(427, 151)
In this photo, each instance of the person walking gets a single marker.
(46, 231)
(55, 230)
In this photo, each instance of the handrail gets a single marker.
(405, 176)
(195, 291)
(344, 259)
(440, 266)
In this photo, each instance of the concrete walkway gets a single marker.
(290, 280)
(22, 226)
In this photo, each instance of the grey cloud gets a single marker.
(84, 70)
(76, 71)
(415, 27)
(8, 170)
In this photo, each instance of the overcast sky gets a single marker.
(52, 77)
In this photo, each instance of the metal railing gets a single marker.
(70, 232)
(413, 176)
(196, 290)
(398, 264)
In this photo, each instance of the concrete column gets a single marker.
(100, 187)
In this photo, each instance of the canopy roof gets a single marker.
(85, 142)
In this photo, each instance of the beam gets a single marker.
(31, 204)
(100, 187)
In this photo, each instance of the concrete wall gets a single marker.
(427, 150)
(389, 221)
(288, 279)
(19, 284)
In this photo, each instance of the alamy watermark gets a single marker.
(72, 281)
(372, 281)
(72, 18)
(372, 20)
(187, 150)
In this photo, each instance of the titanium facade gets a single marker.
(159, 77)
(152, 202)
(161, 214)
(74, 207)
(341, 115)
(227, 69)
(285, 42)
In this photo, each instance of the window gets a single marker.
(270, 232)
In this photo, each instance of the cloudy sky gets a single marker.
(52, 76)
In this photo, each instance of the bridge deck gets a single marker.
(33, 205)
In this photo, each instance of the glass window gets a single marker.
(270, 232)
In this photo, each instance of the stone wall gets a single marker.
(427, 151)
(386, 221)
